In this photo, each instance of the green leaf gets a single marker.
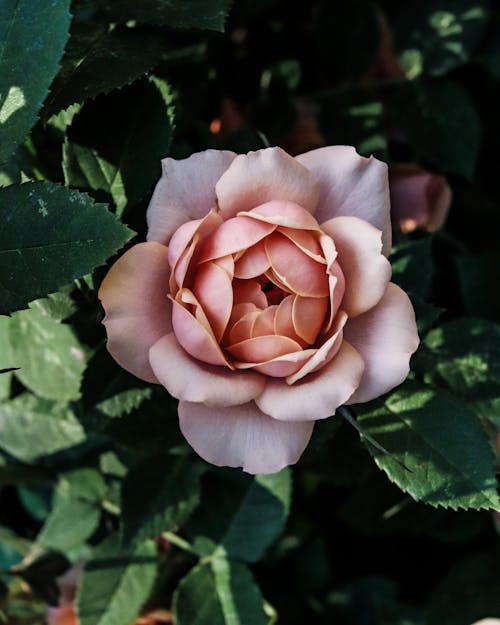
(52, 427)
(116, 583)
(50, 358)
(158, 494)
(441, 122)
(98, 60)
(12, 548)
(218, 592)
(466, 359)
(6, 361)
(435, 36)
(439, 452)
(206, 14)
(478, 278)
(49, 236)
(116, 143)
(412, 266)
(76, 511)
(30, 51)
(240, 513)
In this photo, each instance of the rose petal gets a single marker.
(183, 236)
(138, 313)
(239, 311)
(306, 241)
(279, 213)
(249, 291)
(281, 366)
(263, 348)
(213, 289)
(283, 321)
(386, 337)
(190, 380)
(367, 272)
(242, 329)
(264, 322)
(319, 394)
(243, 436)
(351, 185)
(265, 175)
(308, 316)
(299, 272)
(234, 235)
(185, 191)
(195, 337)
(254, 262)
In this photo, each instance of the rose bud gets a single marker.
(262, 298)
(419, 199)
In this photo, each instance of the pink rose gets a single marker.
(271, 305)
(419, 199)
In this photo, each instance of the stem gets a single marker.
(179, 542)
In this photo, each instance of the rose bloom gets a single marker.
(261, 299)
(419, 198)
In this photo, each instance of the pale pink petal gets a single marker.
(296, 270)
(186, 191)
(234, 235)
(280, 213)
(367, 272)
(386, 337)
(305, 240)
(319, 394)
(321, 356)
(336, 287)
(212, 288)
(308, 316)
(264, 322)
(190, 380)
(254, 262)
(183, 236)
(249, 291)
(138, 312)
(243, 436)
(262, 176)
(351, 184)
(263, 348)
(226, 263)
(195, 337)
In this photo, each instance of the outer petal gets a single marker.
(262, 176)
(185, 191)
(190, 380)
(243, 436)
(138, 313)
(386, 337)
(367, 272)
(319, 394)
(351, 184)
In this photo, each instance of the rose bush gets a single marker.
(262, 299)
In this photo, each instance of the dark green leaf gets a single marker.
(240, 513)
(478, 277)
(5, 357)
(435, 36)
(412, 266)
(12, 548)
(158, 494)
(76, 510)
(116, 583)
(440, 442)
(50, 235)
(52, 427)
(98, 60)
(218, 592)
(116, 143)
(50, 358)
(32, 38)
(209, 14)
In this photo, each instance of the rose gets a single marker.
(419, 199)
(272, 305)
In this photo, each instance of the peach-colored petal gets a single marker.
(243, 328)
(263, 348)
(272, 277)
(234, 235)
(281, 366)
(386, 337)
(243, 436)
(138, 313)
(319, 394)
(283, 320)
(367, 272)
(351, 184)
(239, 311)
(262, 176)
(308, 316)
(264, 322)
(336, 287)
(183, 236)
(226, 263)
(280, 213)
(305, 241)
(299, 272)
(254, 262)
(212, 288)
(190, 380)
(195, 337)
(321, 356)
(185, 191)
(249, 291)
